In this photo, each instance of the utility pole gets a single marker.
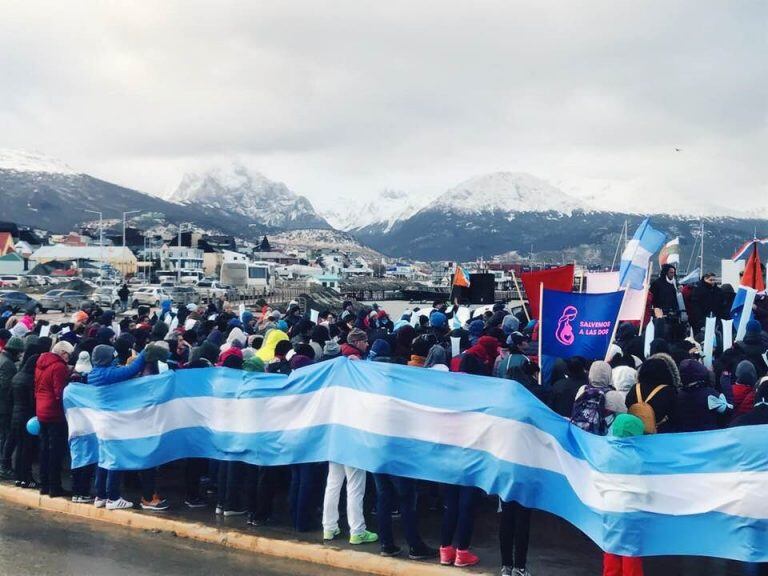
(701, 273)
(101, 244)
(124, 215)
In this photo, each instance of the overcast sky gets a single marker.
(344, 98)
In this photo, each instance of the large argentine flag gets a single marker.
(699, 494)
(634, 260)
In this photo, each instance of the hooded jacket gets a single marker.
(267, 350)
(112, 374)
(664, 292)
(7, 372)
(23, 390)
(51, 376)
(656, 370)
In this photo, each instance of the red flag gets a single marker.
(554, 279)
(753, 273)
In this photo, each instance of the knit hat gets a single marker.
(626, 425)
(600, 374)
(655, 371)
(83, 364)
(63, 346)
(510, 324)
(253, 364)
(421, 345)
(356, 335)
(746, 373)
(282, 325)
(693, 371)
(331, 348)
(80, 317)
(15, 344)
(19, 330)
(102, 355)
(192, 307)
(754, 327)
(438, 320)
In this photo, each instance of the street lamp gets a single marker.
(101, 243)
(124, 215)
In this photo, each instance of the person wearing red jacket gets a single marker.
(744, 388)
(51, 376)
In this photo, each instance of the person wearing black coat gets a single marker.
(659, 369)
(19, 440)
(564, 389)
(664, 291)
(692, 411)
(753, 345)
(706, 300)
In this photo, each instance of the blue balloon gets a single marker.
(33, 426)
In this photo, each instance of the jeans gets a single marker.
(458, 515)
(53, 444)
(355, 494)
(231, 477)
(108, 484)
(20, 442)
(261, 482)
(614, 565)
(404, 489)
(81, 480)
(514, 534)
(300, 496)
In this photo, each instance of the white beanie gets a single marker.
(83, 364)
(63, 346)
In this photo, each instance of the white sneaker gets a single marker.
(521, 572)
(99, 502)
(119, 504)
(506, 571)
(228, 513)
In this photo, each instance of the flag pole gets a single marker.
(615, 324)
(541, 336)
(520, 295)
(646, 285)
(701, 272)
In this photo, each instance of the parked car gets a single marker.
(214, 289)
(64, 300)
(18, 301)
(11, 281)
(107, 297)
(183, 295)
(149, 295)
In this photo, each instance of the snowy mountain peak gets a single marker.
(30, 161)
(234, 187)
(507, 192)
(388, 207)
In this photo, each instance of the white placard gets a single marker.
(189, 323)
(455, 346)
(746, 314)
(463, 314)
(727, 334)
(174, 324)
(709, 340)
(241, 310)
(45, 330)
(212, 317)
(314, 316)
(64, 330)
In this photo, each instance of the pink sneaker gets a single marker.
(447, 555)
(465, 558)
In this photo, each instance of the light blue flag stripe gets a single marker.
(674, 494)
(634, 261)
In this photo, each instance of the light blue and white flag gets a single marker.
(697, 494)
(744, 300)
(636, 256)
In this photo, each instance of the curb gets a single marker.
(286, 549)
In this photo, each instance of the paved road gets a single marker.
(38, 544)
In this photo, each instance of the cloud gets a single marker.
(348, 97)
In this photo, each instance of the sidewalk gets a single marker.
(556, 548)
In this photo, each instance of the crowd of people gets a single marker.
(629, 393)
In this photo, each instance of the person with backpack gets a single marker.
(654, 397)
(589, 407)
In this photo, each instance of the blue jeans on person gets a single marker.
(108, 484)
(53, 445)
(300, 495)
(458, 515)
(388, 489)
(231, 476)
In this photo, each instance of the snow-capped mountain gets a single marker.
(30, 161)
(507, 192)
(235, 188)
(386, 209)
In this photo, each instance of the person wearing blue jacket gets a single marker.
(105, 373)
